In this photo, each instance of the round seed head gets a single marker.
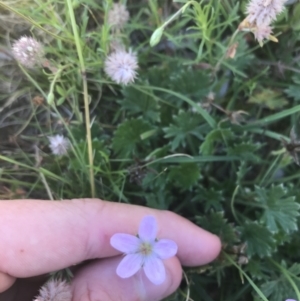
(28, 51)
(118, 16)
(59, 145)
(121, 66)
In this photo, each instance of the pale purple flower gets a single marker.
(262, 33)
(144, 251)
(121, 66)
(59, 145)
(28, 51)
(263, 12)
(118, 16)
(290, 300)
(55, 290)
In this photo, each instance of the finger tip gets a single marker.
(6, 281)
(196, 246)
(214, 250)
(206, 249)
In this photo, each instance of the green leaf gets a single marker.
(191, 83)
(101, 155)
(257, 269)
(210, 198)
(246, 150)
(185, 123)
(181, 79)
(293, 91)
(243, 57)
(185, 174)
(128, 135)
(259, 239)
(139, 103)
(269, 98)
(241, 172)
(217, 224)
(217, 135)
(280, 288)
(158, 200)
(60, 101)
(280, 210)
(60, 90)
(159, 76)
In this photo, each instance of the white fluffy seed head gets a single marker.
(28, 51)
(118, 16)
(264, 12)
(121, 66)
(55, 290)
(59, 145)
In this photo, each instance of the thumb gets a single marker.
(99, 281)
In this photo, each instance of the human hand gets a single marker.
(38, 237)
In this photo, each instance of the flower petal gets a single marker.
(148, 228)
(129, 265)
(155, 270)
(125, 243)
(165, 248)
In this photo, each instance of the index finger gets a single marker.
(43, 236)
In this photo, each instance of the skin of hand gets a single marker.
(38, 237)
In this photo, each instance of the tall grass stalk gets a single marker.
(85, 97)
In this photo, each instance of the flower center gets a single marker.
(145, 248)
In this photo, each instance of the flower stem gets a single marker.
(85, 96)
(254, 286)
(181, 10)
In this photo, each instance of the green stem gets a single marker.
(85, 96)
(50, 97)
(232, 204)
(181, 10)
(204, 113)
(269, 173)
(258, 291)
(46, 186)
